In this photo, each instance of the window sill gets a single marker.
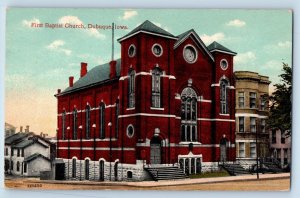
(131, 108)
(187, 143)
(224, 114)
(157, 108)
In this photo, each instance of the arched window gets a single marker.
(88, 122)
(73, 167)
(64, 125)
(117, 118)
(224, 96)
(87, 169)
(156, 88)
(18, 166)
(131, 89)
(129, 174)
(74, 124)
(102, 120)
(11, 165)
(116, 171)
(101, 171)
(188, 115)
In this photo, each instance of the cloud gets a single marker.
(285, 44)
(207, 39)
(245, 58)
(57, 45)
(74, 20)
(129, 14)
(236, 23)
(28, 23)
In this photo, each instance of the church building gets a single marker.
(168, 102)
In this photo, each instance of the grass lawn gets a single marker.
(210, 174)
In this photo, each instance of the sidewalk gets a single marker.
(168, 182)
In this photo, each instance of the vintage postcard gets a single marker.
(148, 99)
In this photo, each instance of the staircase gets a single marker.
(161, 172)
(273, 167)
(234, 169)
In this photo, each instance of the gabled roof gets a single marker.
(28, 142)
(215, 46)
(150, 28)
(17, 137)
(35, 156)
(98, 74)
(182, 37)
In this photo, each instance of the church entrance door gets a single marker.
(155, 150)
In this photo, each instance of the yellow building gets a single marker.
(252, 91)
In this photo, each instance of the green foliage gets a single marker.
(281, 102)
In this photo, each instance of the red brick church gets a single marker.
(168, 102)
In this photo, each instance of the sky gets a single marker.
(40, 60)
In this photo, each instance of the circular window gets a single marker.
(190, 54)
(224, 64)
(131, 51)
(130, 131)
(157, 50)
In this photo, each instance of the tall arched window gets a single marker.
(224, 96)
(88, 122)
(117, 118)
(102, 120)
(87, 169)
(188, 115)
(156, 88)
(73, 167)
(131, 89)
(63, 125)
(74, 124)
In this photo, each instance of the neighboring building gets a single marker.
(252, 91)
(27, 154)
(280, 147)
(169, 100)
(9, 129)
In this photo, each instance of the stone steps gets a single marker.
(165, 172)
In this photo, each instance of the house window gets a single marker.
(156, 88)
(6, 151)
(241, 124)
(12, 152)
(241, 149)
(11, 165)
(263, 126)
(131, 89)
(74, 124)
(241, 99)
(73, 167)
(285, 155)
(252, 149)
(64, 125)
(282, 138)
(18, 166)
(22, 153)
(252, 124)
(87, 121)
(188, 115)
(18, 153)
(273, 136)
(263, 103)
(252, 100)
(25, 167)
(102, 120)
(224, 96)
(117, 118)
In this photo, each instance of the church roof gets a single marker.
(215, 46)
(98, 74)
(148, 27)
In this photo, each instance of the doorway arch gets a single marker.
(223, 150)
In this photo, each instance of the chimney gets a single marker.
(21, 129)
(83, 69)
(27, 129)
(71, 78)
(112, 71)
(58, 91)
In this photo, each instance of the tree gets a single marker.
(281, 102)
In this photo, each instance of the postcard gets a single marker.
(148, 99)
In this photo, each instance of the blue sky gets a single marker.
(40, 60)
